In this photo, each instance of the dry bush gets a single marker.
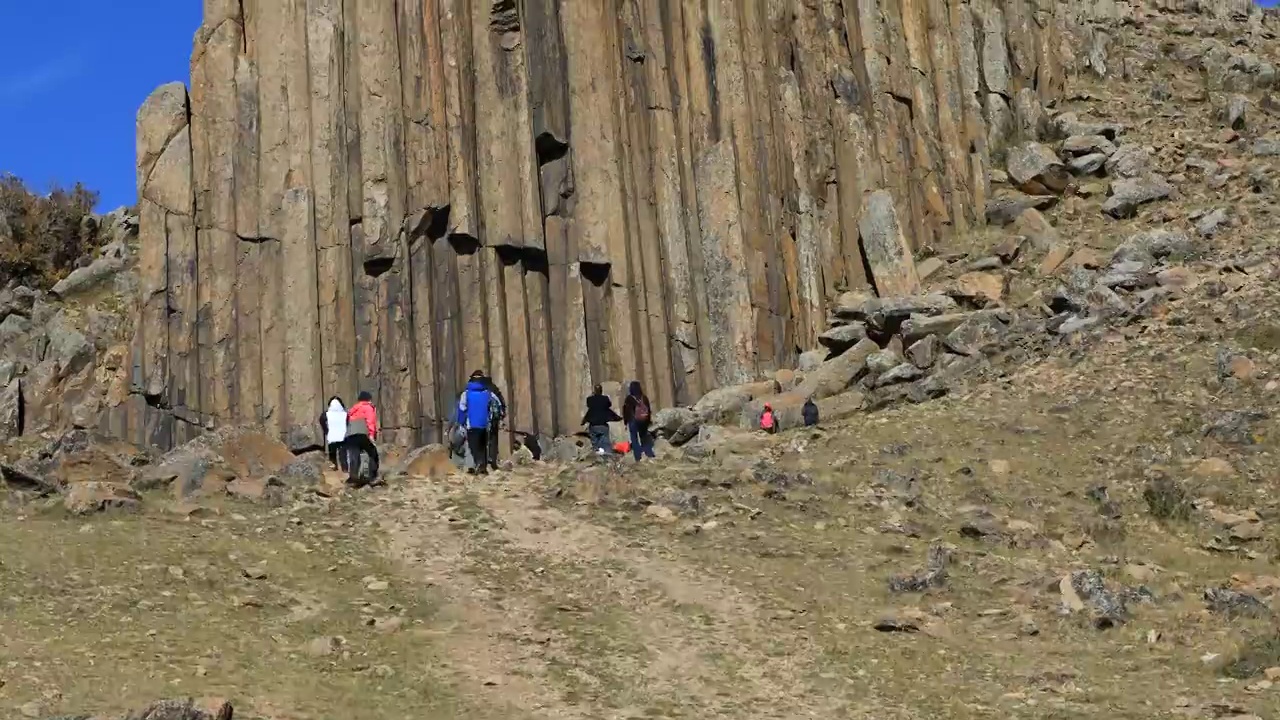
(40, 235)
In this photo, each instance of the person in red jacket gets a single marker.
(362, 430)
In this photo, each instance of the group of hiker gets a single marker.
(637, 415)
(769, 419)
(350, 433)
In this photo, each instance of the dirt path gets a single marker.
(555, 616)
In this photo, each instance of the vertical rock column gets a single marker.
(731, 336)
(302, 350)
(326, 64)
(383, 297)
(427, 177)
(214, 125)
(599, 223)
(272, 31)
(165, 350)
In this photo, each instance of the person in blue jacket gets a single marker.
(477, 407)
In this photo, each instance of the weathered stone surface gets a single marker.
(888, 255)
(1006, 208)
(835, 375)
(384, 197)
(1131, 193)
(1036, 170)
(11, 410)
(1129, 161)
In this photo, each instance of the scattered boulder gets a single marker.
(1069, 124)
(269, 489)
(1236, 427)
(1087, 590)
(924, 352)
(1036, 228)
(1087, 164)
(208, 463)
(1036, 170)
(726, 402)
(679, 425)
(93, 275)
(843, 337)
(811, 360)
(975, 333)
(1129, 161)
(1265, 147)
(1212, 223)
(85, 498)
(933, 576)
(1078, 145)
(981, 288)
(1004, 208)
(838, 373)
(1234, 604)
(432, 462)
(1129, 194)
(1149, 246)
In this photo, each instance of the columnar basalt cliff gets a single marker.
(387, 194)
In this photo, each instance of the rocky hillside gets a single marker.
(64, 349)
(381, 196)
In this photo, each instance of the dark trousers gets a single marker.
(356, 446)
(599, 437)
(641, 439)
(478, 441)
(492, 454)
(338, 455)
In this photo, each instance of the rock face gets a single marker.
(385, 196)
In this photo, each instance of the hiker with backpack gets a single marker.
(477, 408)
(638, 414)
(362, 430)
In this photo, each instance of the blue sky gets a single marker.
(72, 75)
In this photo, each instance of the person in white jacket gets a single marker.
(334, 423)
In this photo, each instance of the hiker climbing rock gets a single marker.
(333, 421)
(362, 430)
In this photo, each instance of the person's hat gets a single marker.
(477, 374)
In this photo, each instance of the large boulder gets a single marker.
(1129, 194)
(432, 462)
(724, 403)
(209, 463)
(1129, 161)
(1149, 246)
(112, 260)
(835, 375)
(1005, 207)
(90, 497)
(1036, 169)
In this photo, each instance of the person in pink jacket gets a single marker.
(362, 430)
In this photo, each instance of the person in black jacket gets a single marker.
(597, 418)
(638, 413)
(810, 412)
